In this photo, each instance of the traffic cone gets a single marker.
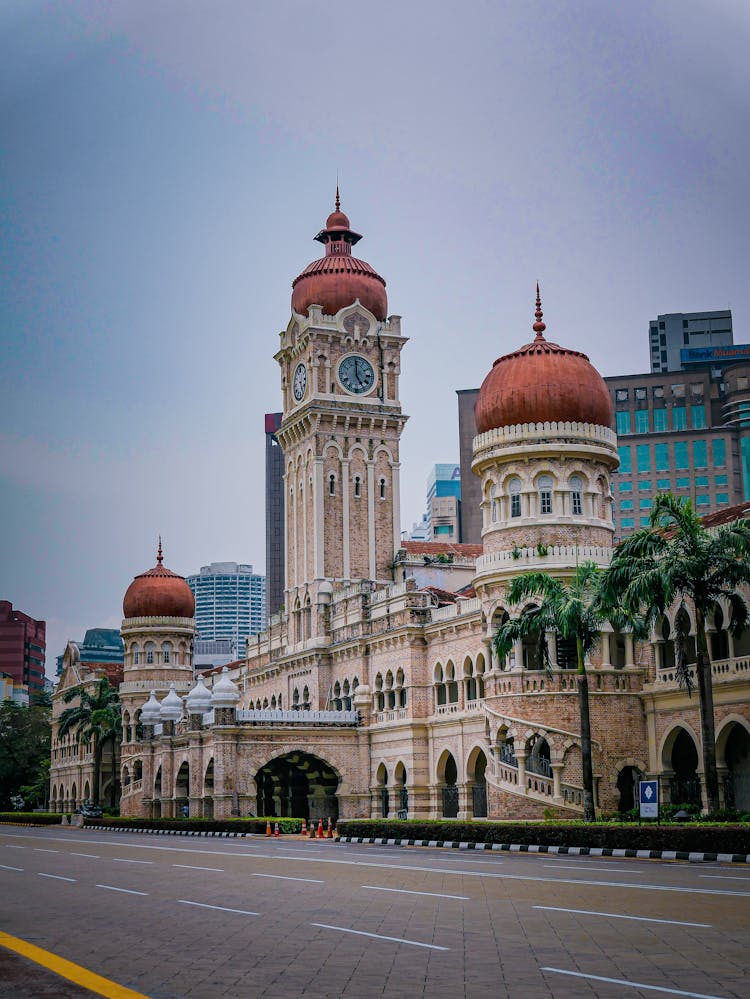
(320, 829)
(276, 831)
(329, 833)
(304, 827)
(268, 827)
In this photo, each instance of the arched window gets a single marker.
(306, 699)
(441, 692)
(576, 495)
(493, 503)
(514, 488)
(273, 702)
(382, 489)
(544, 485)
(379, 695)
(331, 484)
(346, 700)
(400, 689)
(390, 693)
(149, 647)
(337, 696)
(450, 676)
(295, 699)
(136, 653)
(357, 486)
(166, 652)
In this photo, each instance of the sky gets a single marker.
(164, 165)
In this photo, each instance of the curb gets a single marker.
(575, 851)
(170, 832)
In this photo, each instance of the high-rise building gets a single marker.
(444, 503)
(676, 334)
(230, 602)
(22, 647)
(274, 515)
(99, 646)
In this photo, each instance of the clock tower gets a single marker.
(340, 362)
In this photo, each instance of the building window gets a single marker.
(545, 493)
(514, 488)
(660, 421)
(679, 418)
(702, 499)
(721, 480)
(149, 652)
(661, 457)
(683, 483)
(626, 504)
(645, 521)
(331, 485)
(382, 489)
(644, 485)
(663, 484)
(681, 456)
(621, 395)
(701, 480)
(720, 452)
(626, 487)
(493, 503)
(623, 422)
(627, 522)
(644, 503)
(576, 493)
(700, 454)
(698, 417)
(722, 498)
(625, 460)
(641, 421)
(643, 457)
(357, 486)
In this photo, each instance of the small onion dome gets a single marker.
(338, 279)
(151, 710)
(159, 593)
(542, 382)
(171, 706)
(226, 693)
(198, 701)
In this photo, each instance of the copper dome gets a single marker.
(542, 382)
(158, 593)
(338, 279)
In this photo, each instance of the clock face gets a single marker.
(356, 374)
(300, 381)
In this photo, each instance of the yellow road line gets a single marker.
(67, 969)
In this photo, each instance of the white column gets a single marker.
(629, 650)
(305, 532)
(396, 500)
(345, 513)
(318, 502)
(371, 519)
(606, 648)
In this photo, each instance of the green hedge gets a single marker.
(31, 818)
(257, 826)
(699, 838)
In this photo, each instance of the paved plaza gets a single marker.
(170, 917)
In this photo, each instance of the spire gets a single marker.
(159, 556)
(539, 327)
(338, 199)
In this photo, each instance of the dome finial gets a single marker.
(539, 327)
(338, 199)
(159, 555)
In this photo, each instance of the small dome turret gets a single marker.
(171, 706)
(151, 711)
(226, 693)
(198, 701)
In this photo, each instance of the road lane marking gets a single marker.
(57, 877)
(67, 969)
(94, 856)
(12, 846)
(379, 936)
(5, 867)
(221, 908)
(631, 985)
(40, 849)
(405, 891)
(126, 860)
(283, 877)
(191, 867)
(127, 891)
(722, 877)
(618, 915)
(585, 867)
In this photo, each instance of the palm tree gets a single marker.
(96, 719)
(575, 610)
(676, 558)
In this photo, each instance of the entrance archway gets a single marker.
(298, 785)
(737, 756)
(477, 775)
(182, 788)
(685, 786)
(448, 775)
(627, 785)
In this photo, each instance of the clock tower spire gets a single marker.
(340, 362)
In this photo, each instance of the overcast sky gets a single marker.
(166, 163)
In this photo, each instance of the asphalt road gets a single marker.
(178, 916)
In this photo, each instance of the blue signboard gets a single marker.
(715, 355)
(648, 798)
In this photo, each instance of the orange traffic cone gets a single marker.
(268, 827)
(329, 833)
(320, 829)
(304, 827)
(276, 831)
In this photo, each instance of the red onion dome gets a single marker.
(338, 279)
(542, 382)
(159, 593)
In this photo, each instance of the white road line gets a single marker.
(4, 867)
(40, 849)
(379, 936)
(283, 877)
(585, 867)
(405, 891)
(127, 891)
(126, 860)
(93, 856)
(12, 846)
(221, 908)
(57, 877)
(191, 867)
(722, 877)
(618, 915)
(631, 985)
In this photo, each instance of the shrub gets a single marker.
(32, 818)
(239, 825)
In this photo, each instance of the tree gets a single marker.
(95, 719)
(24, 747)
(676, 558)
(575, 610)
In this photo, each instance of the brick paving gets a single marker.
(498, 943)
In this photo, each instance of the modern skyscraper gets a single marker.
(274, 515)
(230, 602)
(444, 503)
(22, 647)
(100, 646)
(675, 333)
